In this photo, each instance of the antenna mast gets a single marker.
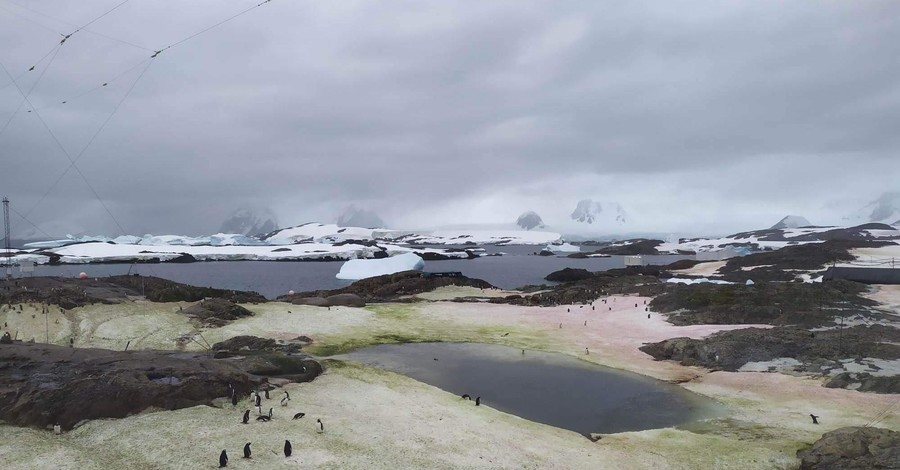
(6, 235)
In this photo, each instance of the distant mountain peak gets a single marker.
(792, 221)
(529, 220)
(886, 207)
(246, 221)
(588, 210)
(353, 216)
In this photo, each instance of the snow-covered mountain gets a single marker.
(529, 220)
(791, 221)
(356, 217)
(885, 209)
(250, 222)
(603, 213)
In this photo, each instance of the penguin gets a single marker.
(223, 459)
(234, 399)
(585, 323)
(258, 410)
(284, 401)
(57, 429)
(814, 418)
(287, 448)
(586, 351)
(321, 426)
(267, 394)
(298, 415)
(287, 395)
(258, 400)
(270, 413)
(263, 418)
(478, 401)
(648, 315)
(247, 450)
(465, 396)
(246, 417)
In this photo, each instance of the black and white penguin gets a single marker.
(247, 450)
(267, 394)
(465, 396)
(223, 459)
(263, 418)
(234, 400)
(287, 448)
(270, 413)
(814, 418)
(478, 401)
(299, 415)
(246, 417)
(320, 427)
(258, 400)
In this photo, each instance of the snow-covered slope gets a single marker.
(792, 221)
(885, 209)
(473, 237)
(607, 214)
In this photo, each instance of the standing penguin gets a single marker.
(267, 394)
(234, 399)
(320, 425)
(247, 450)
(287, 448)
(285, 399)
(246, 417)
(270, 413)
(258, 400)
(223, 459)
(478, 401)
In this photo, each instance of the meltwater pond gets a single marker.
(549, 388)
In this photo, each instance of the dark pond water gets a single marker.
(273, 278)
(553, 389)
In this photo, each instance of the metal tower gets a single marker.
(6, 235)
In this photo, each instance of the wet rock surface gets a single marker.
(865, 382)
(42, 385)
(853, 448)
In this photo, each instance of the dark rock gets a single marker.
(216, 312)
(729, 350)
(865, 382)
(853, 448)
(390, 287)
(569, 275)
(345, 300)
(314, 301)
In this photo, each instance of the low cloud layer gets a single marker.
(720, 115)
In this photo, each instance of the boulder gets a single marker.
(569, 275)
(345, 300)
(314, 301)
(852, 448)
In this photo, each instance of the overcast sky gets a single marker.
(703, 115)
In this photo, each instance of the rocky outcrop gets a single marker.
(569, 275)
(389, 287)
(42, 384)
(730, 350)
(216, 312)
(163, 290)
(773, 303)
(632, 247)
(853, 448)
(865, 382)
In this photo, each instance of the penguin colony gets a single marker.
(256, 398)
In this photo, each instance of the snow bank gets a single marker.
(356, 269)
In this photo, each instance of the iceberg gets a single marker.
(356, 269)
(563, 248)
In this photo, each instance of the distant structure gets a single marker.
(443, 274)
(864, 275)
(634, 260)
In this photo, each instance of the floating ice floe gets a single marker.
(356, 269)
